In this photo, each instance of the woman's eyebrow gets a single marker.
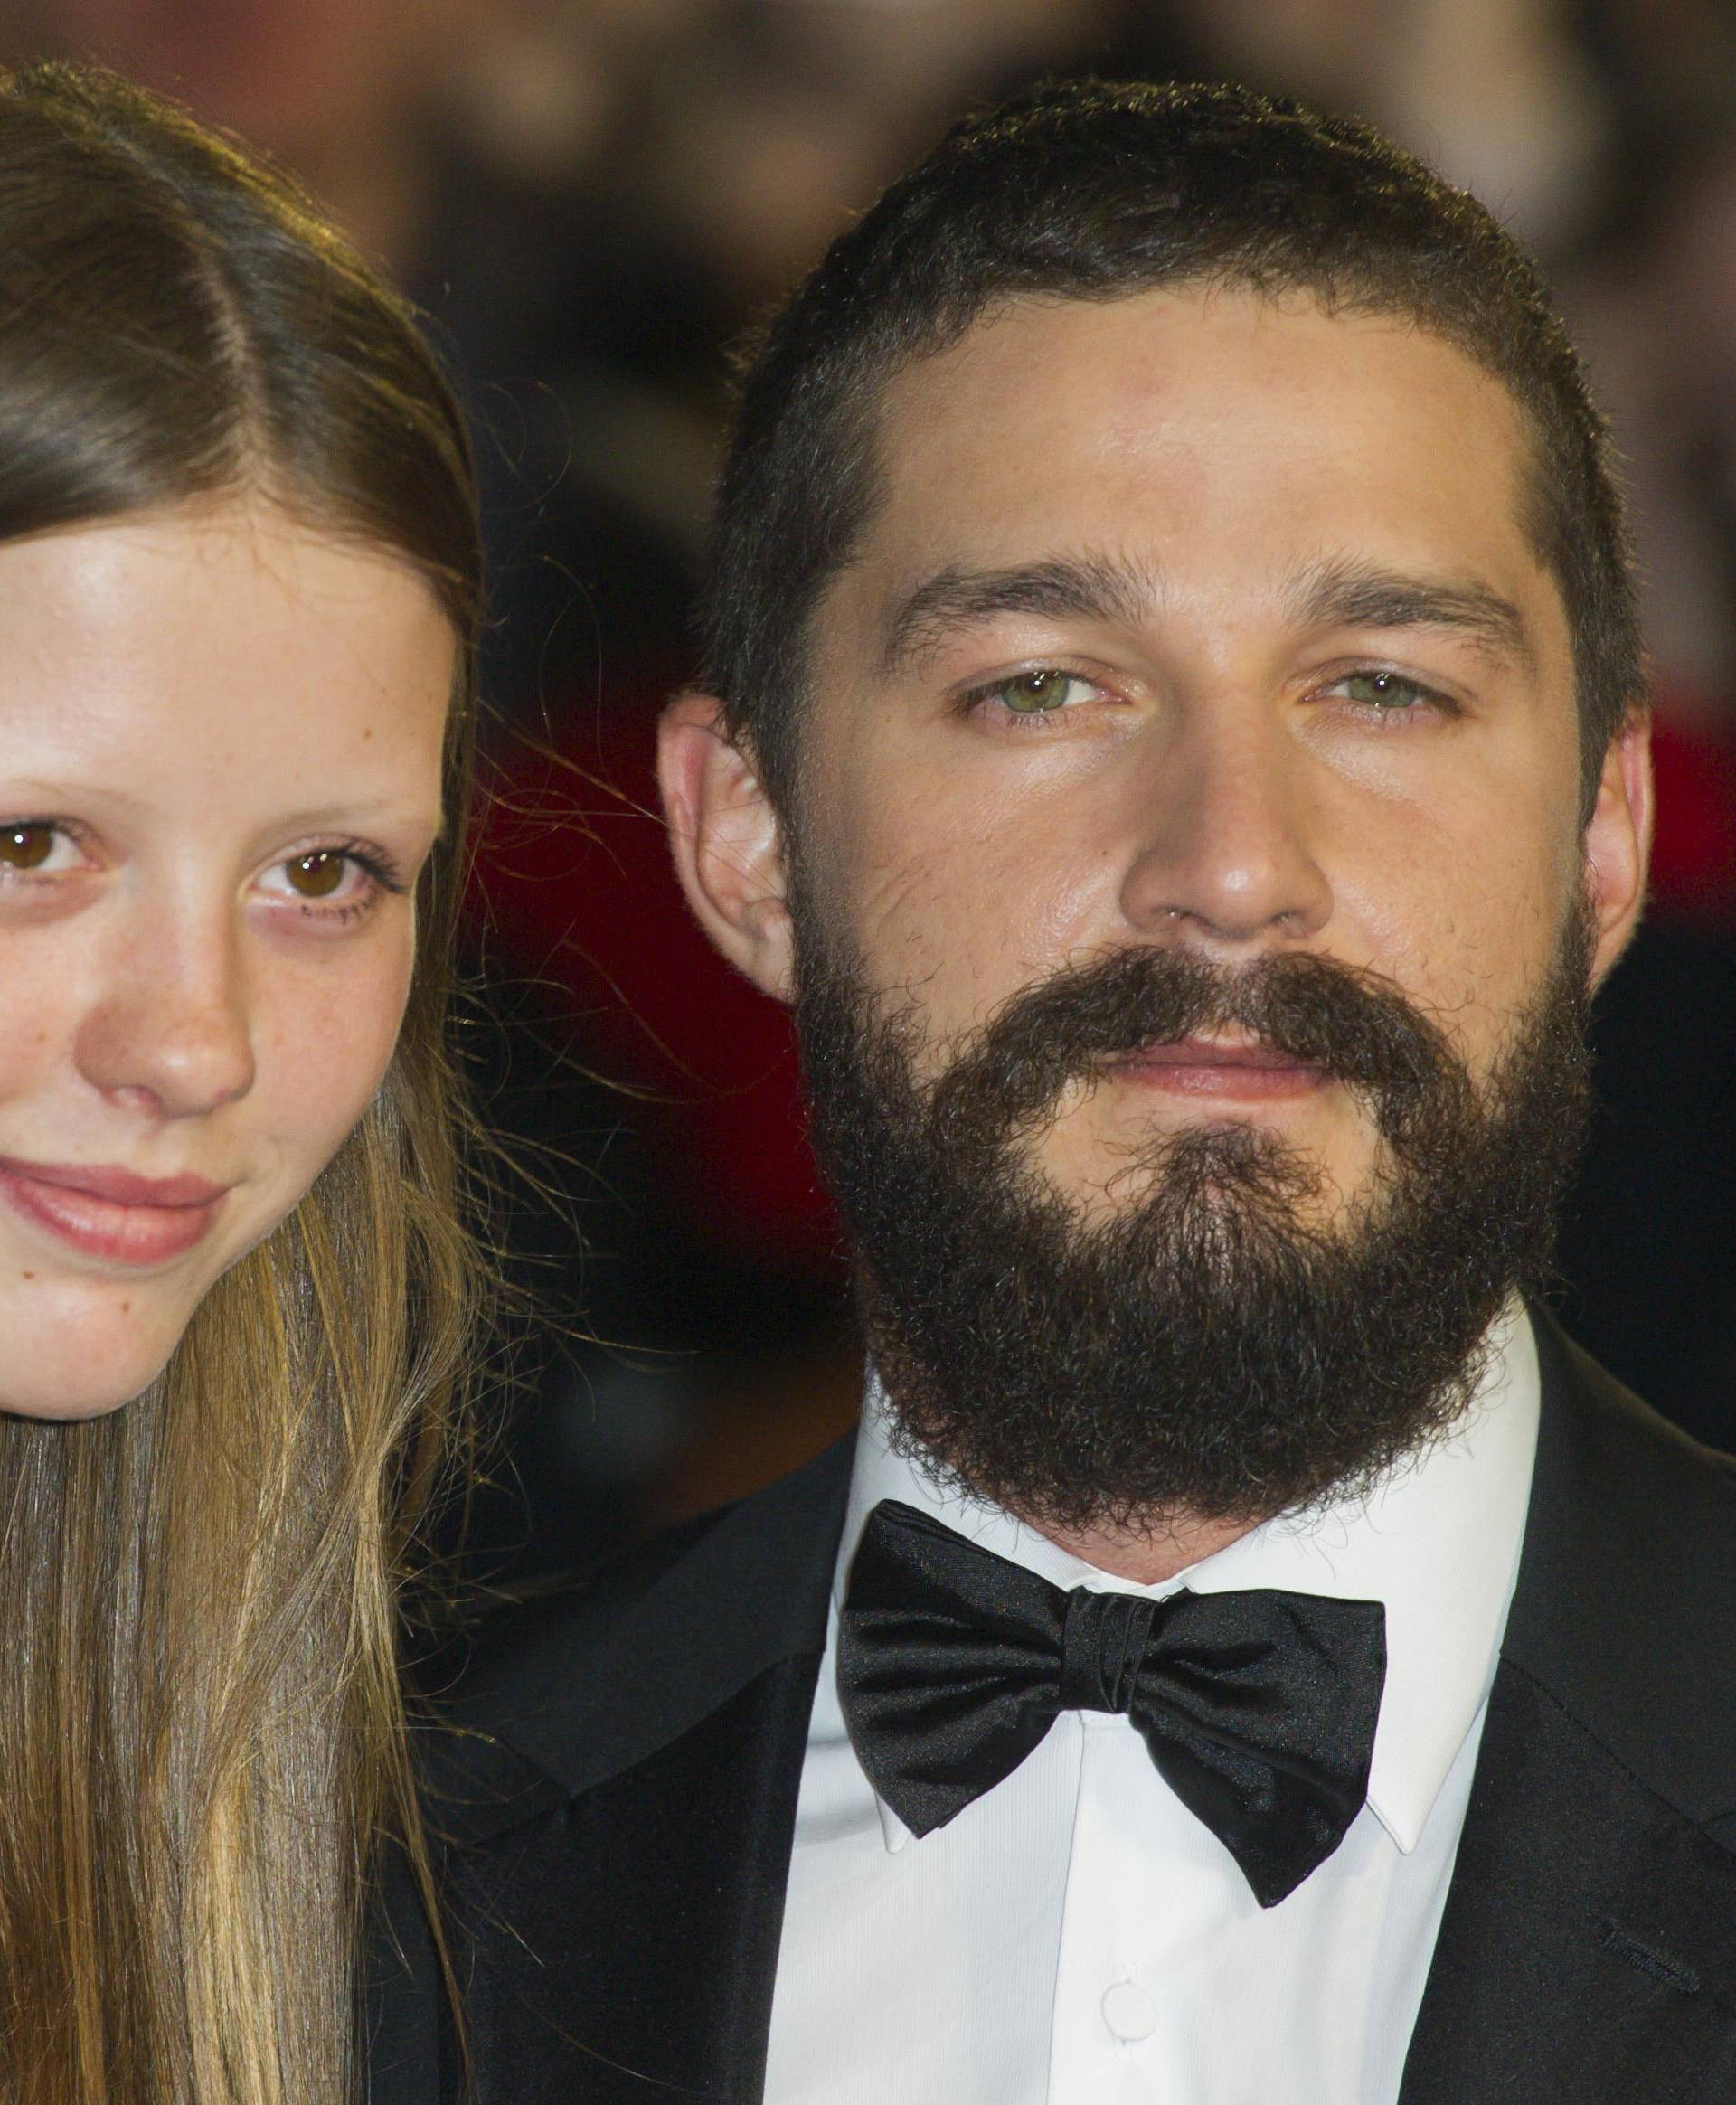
(40, 791)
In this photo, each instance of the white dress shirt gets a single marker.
(1075, 1935)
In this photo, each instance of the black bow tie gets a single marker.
(1259, 1708)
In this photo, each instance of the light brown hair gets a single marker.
(201, 1736)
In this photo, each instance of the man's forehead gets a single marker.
(1074, 452)
(1168, 347)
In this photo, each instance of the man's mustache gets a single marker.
(1355, 1026)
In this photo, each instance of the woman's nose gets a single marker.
(171, 1031)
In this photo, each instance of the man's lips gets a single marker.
(105, 1211)
(1225, 1068)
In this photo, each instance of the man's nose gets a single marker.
(170, 1032)
(1226, 832)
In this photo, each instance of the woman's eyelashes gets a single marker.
(34, 851)
(335, 882)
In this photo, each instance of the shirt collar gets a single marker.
(1436, 1542)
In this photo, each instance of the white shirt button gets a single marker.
(1128, 2012)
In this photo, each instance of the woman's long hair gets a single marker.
(201, 1737)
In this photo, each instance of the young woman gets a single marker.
(239, 583)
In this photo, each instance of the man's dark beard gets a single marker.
(1202, 1351)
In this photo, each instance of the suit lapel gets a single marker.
(643, 1923)
(1588, 1950)
(1589, 1935)
(615, 1788)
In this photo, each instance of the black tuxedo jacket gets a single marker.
(617, 1794)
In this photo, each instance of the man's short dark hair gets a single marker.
(1094, 191)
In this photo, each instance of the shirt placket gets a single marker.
(1114, 2040)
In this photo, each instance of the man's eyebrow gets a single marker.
(1343, 594)
(1058, 588)
(1334, 593)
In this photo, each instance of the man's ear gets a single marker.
(727, 841)
(1618, 842)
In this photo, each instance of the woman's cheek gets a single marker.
(333, 1044)
(39, 982)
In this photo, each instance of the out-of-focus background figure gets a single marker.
(594, 198)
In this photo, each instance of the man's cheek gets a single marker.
(963, 927)
(906, 918)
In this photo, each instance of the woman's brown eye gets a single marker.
(26, 847)
(318, 875)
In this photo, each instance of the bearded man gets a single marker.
(1175, 737)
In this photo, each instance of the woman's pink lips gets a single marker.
(1200, 1067)
(114, 1214)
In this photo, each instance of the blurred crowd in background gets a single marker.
(593, 200)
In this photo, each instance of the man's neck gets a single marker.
(1147, 1556)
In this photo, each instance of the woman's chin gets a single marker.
(80, 1345)
(56, 1407)
(62, 1389)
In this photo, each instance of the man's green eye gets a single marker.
(1388, 691)
(1035, 693)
